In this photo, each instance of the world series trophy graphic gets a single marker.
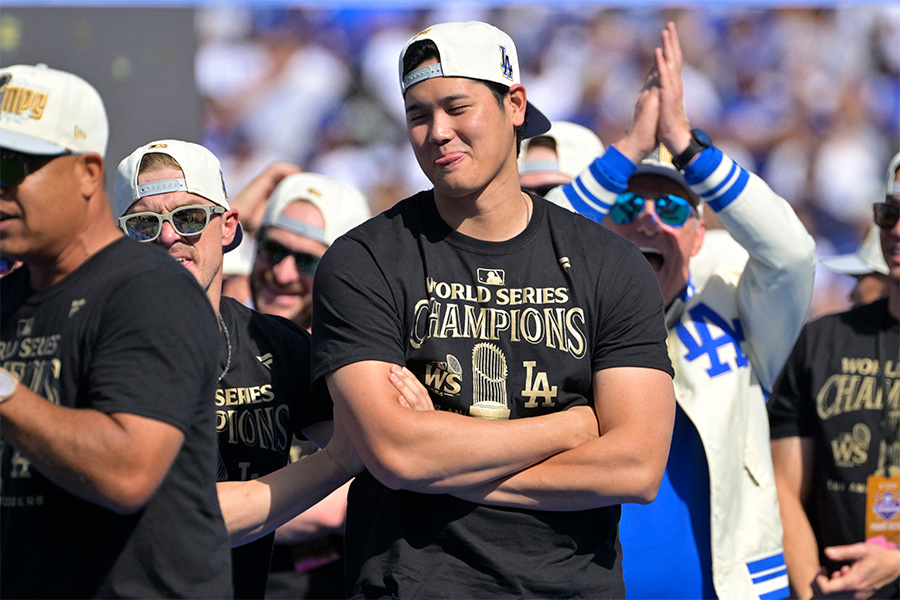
(489, 374)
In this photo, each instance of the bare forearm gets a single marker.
(604, 472)
(255, 508)
(325, 517)
(116, 461)
(442, 452)
(801, 552)
(457, 452)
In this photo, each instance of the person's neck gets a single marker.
(214, 293)
(496, 213)
(46, 272)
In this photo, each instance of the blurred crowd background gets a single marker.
(807, 97)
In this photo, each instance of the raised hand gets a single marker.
(674, 129)
(251, 201)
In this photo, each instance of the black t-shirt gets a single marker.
(128, 331)
(832, 390)
(519, 325)
(264, 399)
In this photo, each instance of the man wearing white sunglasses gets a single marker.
(172, 194)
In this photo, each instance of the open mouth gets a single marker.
(654, 257)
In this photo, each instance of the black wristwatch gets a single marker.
(699, 142)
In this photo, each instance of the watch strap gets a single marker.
(695, 147)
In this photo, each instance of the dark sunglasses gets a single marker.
(671, 210)
(187, 220)
(272, 252)
(886, 214)
(16, 166)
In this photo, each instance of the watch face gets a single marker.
(7, 384)
(701, 137)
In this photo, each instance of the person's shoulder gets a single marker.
(126, 262)
(577, 228)
(863, 319)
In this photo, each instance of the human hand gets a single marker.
(412, 393)
(640, 138)
(674, 127)
(251, 201)
(872, 566)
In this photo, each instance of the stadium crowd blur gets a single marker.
(809, 98)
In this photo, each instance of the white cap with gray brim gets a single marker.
(202, 176)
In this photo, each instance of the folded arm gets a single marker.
(636, 412)
(442, 452)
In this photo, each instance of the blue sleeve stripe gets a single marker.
(703, 166)
(729, 196)
(613, 169)
(707, 195)
(769, 576)
(764, 564)
(595, 212)
(784, 592)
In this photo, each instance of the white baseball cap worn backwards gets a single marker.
(47, 112)
(868, 258)
(576, 148)
(342, 205)
(202, 176)
(474, 50)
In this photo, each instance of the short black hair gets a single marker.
(419, 52)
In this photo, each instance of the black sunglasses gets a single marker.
(886, 214)
(273, 252)
(16, 166)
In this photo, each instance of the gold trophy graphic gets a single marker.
(489, 374)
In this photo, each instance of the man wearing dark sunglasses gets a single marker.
(835, 434)
(108, 461)
(731, 327)
(171, 194)
(304, 215)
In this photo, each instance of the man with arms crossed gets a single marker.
(109, 455)
(528, 325)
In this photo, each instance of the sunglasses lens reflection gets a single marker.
(273, 252)
(886, 215)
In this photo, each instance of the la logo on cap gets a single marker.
(505, 64)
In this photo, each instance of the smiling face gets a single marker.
(200, 254)
(281, 288)
(668, 249)
(463, 139)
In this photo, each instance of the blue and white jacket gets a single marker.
(729, 336)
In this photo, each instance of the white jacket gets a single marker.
(758, 298)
